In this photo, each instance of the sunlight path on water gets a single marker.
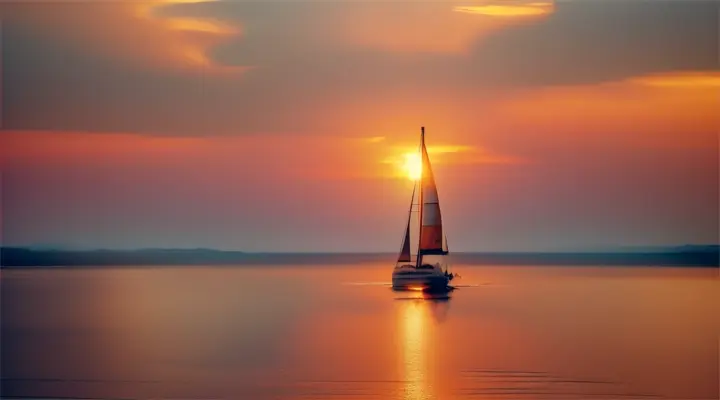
(417, 320)
(414, 321)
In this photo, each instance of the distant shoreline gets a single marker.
(19, 257)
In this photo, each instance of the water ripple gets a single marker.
(517, 384)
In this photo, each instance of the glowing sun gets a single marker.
(412, 166)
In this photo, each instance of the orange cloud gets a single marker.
(149, 11)
(510, 9)
(272, 156)
(376, 139)
(397, 157)
(133, 32)
(430, 26)
(700, 79)
(265, 156)
(30, 147)
(657, 111)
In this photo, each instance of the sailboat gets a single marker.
(423, 260)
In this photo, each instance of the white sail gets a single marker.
(431, 230)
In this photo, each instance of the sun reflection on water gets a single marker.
(414, 339)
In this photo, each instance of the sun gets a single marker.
(412, 166)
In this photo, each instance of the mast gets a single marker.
(421, 200)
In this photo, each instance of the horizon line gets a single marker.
(605, 250)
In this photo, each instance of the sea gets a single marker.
(337, 331)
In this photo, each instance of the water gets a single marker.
(335, 332)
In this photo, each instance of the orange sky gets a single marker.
(317, 105)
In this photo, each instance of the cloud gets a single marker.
(314, 79)
(396, 156)
(124, 189)
(376, 139)
(581, 118)
(595, 41)
(135, 32)
(259, 157)
(698, 79)
(661, 113)
(252, 158)
(509, 9)
(425, 27)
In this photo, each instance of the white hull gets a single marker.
(408, 277)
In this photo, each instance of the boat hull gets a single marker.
(402, 279)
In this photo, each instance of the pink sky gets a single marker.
(283, 126)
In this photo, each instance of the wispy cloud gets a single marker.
(666, 111)
(699, 79)
(193, 52)
(427, 27)
(136, 32)
(444, 155)
(375, 139)
(213, 26)
(464, 155)
(509, 9)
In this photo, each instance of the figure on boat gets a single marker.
(423, 260)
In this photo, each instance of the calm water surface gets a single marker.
(328, 333)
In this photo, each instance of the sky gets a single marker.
(285, 125)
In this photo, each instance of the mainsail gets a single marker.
(431, 230)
